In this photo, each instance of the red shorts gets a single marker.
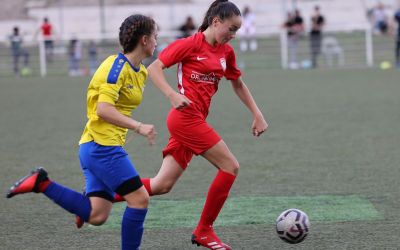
(190, 134)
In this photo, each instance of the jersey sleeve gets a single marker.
(109, 90)
(232, 71)
(176, 51)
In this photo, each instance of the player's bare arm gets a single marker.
(259, 124)
(109, 113)
(157, 76)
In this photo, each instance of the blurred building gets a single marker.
(95, 17)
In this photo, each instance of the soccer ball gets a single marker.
(25, 71)
(292, 226)
(385, 65)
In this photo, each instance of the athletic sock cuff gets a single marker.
(136, 213)
(226, 175)
(146, 184)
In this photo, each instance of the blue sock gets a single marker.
(70, 200)
(132, 228)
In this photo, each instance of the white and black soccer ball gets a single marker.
(292, 226)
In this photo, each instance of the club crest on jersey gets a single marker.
(223, 63)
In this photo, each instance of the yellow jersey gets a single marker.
(119, 83)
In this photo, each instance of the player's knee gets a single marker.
(144, 200)
(235, 167)
(166, 188)
(138, 199)
(98, 219)
(161, 185)
(231, 166)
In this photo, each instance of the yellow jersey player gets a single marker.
(114, 91)
(119, 83)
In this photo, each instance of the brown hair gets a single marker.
(132, 29)
(222, 9)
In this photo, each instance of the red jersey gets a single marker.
(200, 68)
(46, 30)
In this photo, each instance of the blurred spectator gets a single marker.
(295, 27)
(248, 30)
(188, 28)
(380, 19)
(92, 55)
(75, 55)
(17, 52)
(47, 32)
(397, 19)
(317, 23)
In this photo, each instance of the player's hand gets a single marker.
(259, 126)
(179, 101)
(148, 131)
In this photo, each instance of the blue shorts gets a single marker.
(107, 169)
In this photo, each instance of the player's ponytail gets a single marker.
(219, 8)
(132, 29)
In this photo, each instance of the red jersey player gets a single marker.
(47, 35)
(203, 59)
(46, 28)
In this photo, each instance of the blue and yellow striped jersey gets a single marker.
(119, 83)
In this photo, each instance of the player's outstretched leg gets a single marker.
(37, 181)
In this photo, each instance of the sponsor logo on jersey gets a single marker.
(204, 78)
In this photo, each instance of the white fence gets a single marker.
(359, 48)
(348, 42)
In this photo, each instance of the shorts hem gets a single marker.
(129, 186)
(181, 164)
(211, 145)
(101, 194)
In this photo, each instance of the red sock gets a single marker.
(118, 198)
(216, 197)
(43, 185)
(146, 184)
